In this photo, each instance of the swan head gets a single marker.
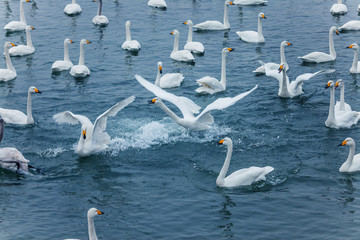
(334, 29)
(83, 133)
(9, 45)
(68, 41)
(28, 27)
(330, 84)
(228, 2)
(127, 23)
(261, 15)
(353, 46)
(94, 212)
(25, 1)
(281, 67)
(160, 67)
(286, 43)
(227, 50)
(154, 100)
(33, 90)
(225, 141)
(348, 141)
(188, 22)
(339, 83)
(175, 32)
(84, 41)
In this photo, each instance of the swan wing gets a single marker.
(222, 103)
(306, 76)
(271, 72)
(100, 122)
(70, 118)
(187, 107)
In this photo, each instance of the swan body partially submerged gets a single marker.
(14, 26)
(242, 177)
(338, 8)
(157, 4)
(252, 36)
(66, 64)
(99, 19)
(169, 80)
(81, 70)
(130, 45)
(93, 137)
(22, 50)
(353, 25)
(188, 108)
(8, 73)
(72, 8)
(250, 2)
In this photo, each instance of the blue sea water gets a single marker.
(157, 180)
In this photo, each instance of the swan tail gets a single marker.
(206, 118)
(262, 176)
(260, 70)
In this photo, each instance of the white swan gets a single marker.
(319, 57)
(17, 117)
(188, 108)
(169, 80)
(195, 47)
(9, 72)
(11, 158)
(338, 8)
(72, 8)
(293, 89)
(180, 55)
(252, 36)
(211, 85)
(341, 105)
(353, 25)
(216, 25)
(339, 119)
(81, 70)
(250, 2)
(157, 3)
(272, 65)
(93, 138)
(91, 226)
(22, 50)
(18, 25)
(130, 45)
(99, 19)
(242, 177)
(358, 8)
(66, 64)
(355, 67)
(352, 163)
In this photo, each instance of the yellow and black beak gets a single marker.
(281, 68)
(84, 134)
(336, 84)
(221, 141)
(28, 1)
(37, 90)
(185, 22)
(289, 44)
(231, 3)
(263, 16)
(99, 212)
(172, 33)
(13, 44)
(88, 42)
(230, 49)
(328, 85)
(351, 46)
(71, 41)
(160, 69)
(343, 143)
(152, 101)
(337, 32)
(32, 28)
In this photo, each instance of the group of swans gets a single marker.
(194, 47)
(340, 116)
(130, 45)
(188, 108)
(242, 177)
(93, 137)
(72, 8)
(157, 4)
(18, 25)
(23, 50)
(168, 80)
(338, 8)
(17, 117)
(252, 36)
(9, 72)
(180, 55)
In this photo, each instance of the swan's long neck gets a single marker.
(355, 61)
(82, 55)
(339, 1)
(169, 112)
(100, 8)
(22, 14)
(128, 33)
(226, 17)
(176, 43)
(157, 80)
(350, 158)
(28, 38)
(260, 34)
(342, 98)
(8, 60)
(223, 70)
(66, 51)
(220, 179)
(73, 1)
(190, 35)
(91, 226)
(331, 116)
(284, 91)
(282, 54)
(331, 44)
(28, 109)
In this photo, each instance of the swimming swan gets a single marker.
(93, 138)
(91, 226)
(194, 47)
(169, 80)
(250, 2)
(18, 25)
(319, 57)
(352, 163)
(211, 85)
(216, 25)
(99, 19)
(17, 117)
(188, 108)
(293, 89)
(72, 8)
(272, 65)
(157, 3)
(339, 119)
(66, 64)
(242, 177)
(353, 25)
(338, 8)
(180, 55)
(130, 45)
(22, 50)
(9, 72)
(81, 70)
(355, 68)
(341, 105)
(252, 36)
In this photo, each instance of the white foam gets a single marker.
(52, 152)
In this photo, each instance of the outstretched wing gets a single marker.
(187, 107)
(306, 76)
(222, 103)
(1, 129)
(70, 118)
(100, 122)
